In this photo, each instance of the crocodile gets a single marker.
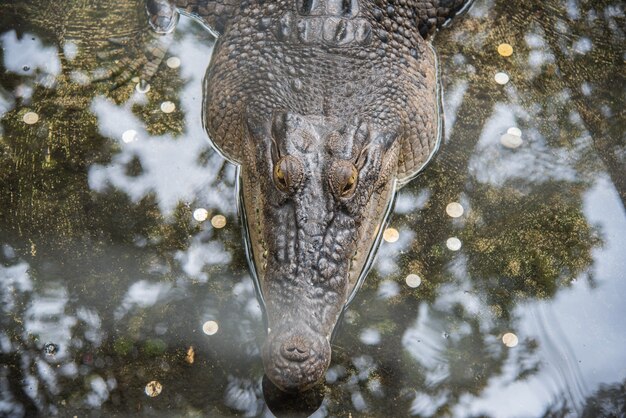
(327, 107)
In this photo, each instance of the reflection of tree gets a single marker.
(607, 402)
(97, 246)
(527, 253)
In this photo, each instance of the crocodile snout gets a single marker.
(296, 358)
(296, 348)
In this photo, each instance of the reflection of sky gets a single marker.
(533, 160)
(580, 334)
(171, 166)
(27, 55)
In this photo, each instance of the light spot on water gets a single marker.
(30, 118)
(153, 389)
(391, 235)
(173, 62)
(218, 221)
(514, 131)
(505, 50)
(501, 78)
(413, 280)
(454, 209)
(210, 327)
(129, 136)
(168, 107)
(453, 244)
(511, 141)
(200, 214)
(142, 87)
(191, 355)
(510, 340)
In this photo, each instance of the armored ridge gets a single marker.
(326, 105)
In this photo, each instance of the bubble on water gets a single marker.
(501, 78)
(153, 388)
(454, 209)
(200, 214)
(50, 349)
(31, 118)
(210, 327)
(413, 280)
(391, 235)
(218, 221)
(510, 340)
(453, 244)
(168, 107)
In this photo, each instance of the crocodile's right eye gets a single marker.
(288, 173)
(343, 178)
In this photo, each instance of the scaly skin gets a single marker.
(326, 105)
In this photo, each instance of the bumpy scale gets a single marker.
(327, 106)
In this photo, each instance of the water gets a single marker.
(111, 271)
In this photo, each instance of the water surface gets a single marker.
(114, 266)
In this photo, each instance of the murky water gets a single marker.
(123, 278)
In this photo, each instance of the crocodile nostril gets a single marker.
(295, 348)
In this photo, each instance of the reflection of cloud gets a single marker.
(370, 336)
(48, 375)
(171, 166)
(408, 203)
(388, 289)
(533, 161)
(12, 279)
(6, 103)
(388, 253)
(243, 395)
(426, 405)
(142, 294)
(358, 401)
(423, 340)
(93, 323)
(201, 254)
(46, 317)
(99, 392)
(27, 55)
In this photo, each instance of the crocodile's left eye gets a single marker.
(288, 173)
(343, 178)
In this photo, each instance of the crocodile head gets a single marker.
(315, 191)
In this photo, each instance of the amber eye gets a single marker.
(343, 178)
(288, 173)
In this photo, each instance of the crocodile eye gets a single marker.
(288, 173)
(343, 178)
